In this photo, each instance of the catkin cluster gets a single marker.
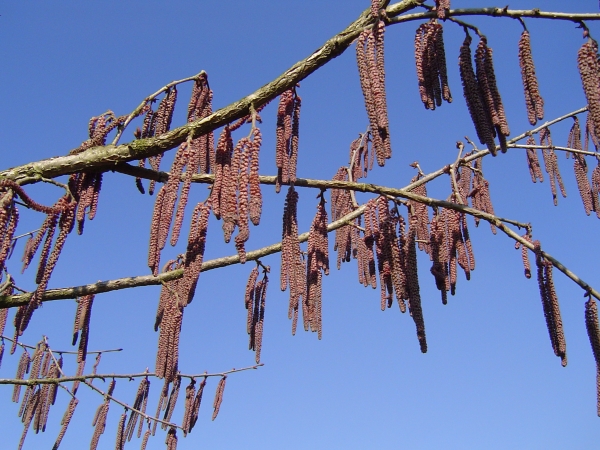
(430, 58)
(140, 403)
(169, 317)
(533, 162)
(481, 94)
(156, 123)
(99, 422)
(589, 69)
(37, 400)
(480, 194)
(451, 247)
(193, 400)
(371, 69)
(254, 301)
(580, 168)
(98, 129)
(533, 100)
(62, 216)
(293, 268)
(442, 7)
(550, 304)
(551, 164)
(591, 324)
(81, 324)
(361, 156)
(317, 264)
(236, 196)
(287, 134)
(341, 205)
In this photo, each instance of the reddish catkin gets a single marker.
(580, 167)
(475, 102)
(369, 57)
(591, 325)
(550, 304)
(551, 164)
(533, 100)
(525, 254)
(219, 396)
(589, 69)
(596, 189)
(430, 58)
(120, 441)
(190, 393)
(171, 440)
(317, 265)
(196, 405)
(172, 401)
(486, 80)
(442, 7)
(66, 419)
(533, 163)
(6, 242)
(145, 439)
(255, 202)
(480, 195)
(412, 284)
(195, 252)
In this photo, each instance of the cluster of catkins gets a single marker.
(481, 94)
(304, 277)
(430, 58)
(255, 301)
(591, 324)
(236, 194)
(293, 266)
(385, 236)
(589, 69)
(177, 294)
(193, 156)
(442, 7)
(370, 60)
(98, 129)
(287, 134)
(450, 244)
(317, 264)
(37, 400)
(551, 161)
(156, 123)
(533, 99)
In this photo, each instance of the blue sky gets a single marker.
(489, 379)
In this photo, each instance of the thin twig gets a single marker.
(62, 352)
(85, 378)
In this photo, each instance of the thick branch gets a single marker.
(105, 157)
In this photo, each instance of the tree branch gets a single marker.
(106, 157)
(84, 378)
(499, 12)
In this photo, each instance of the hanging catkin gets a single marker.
(533, 100)
(473, 96)
(369, 57)
(486, 79)
(412, 284)
(591, 324)
(550, 304)
(219, 396)
(589, 69)
(430, 58)
(317, 264)
(551, 164)
(287, 136)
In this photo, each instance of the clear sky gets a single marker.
(489, 380)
